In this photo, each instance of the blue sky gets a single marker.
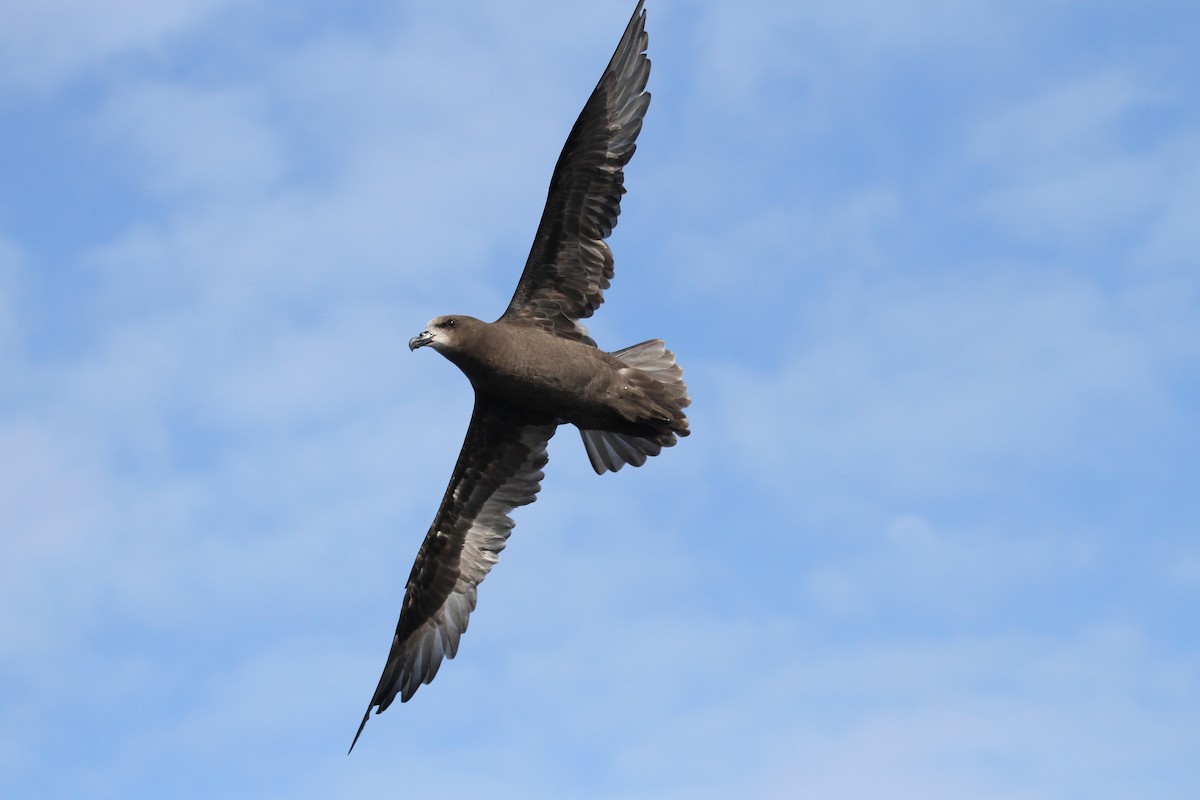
(931, 269)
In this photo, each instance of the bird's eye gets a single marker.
(450, 323)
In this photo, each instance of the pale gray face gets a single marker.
(441, 333)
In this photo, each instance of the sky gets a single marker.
(930, 268)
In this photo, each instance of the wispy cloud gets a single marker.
(45, 43)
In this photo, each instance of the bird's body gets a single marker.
(556, 379)
(534, 369)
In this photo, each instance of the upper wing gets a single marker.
(499, 468)
(570, 266)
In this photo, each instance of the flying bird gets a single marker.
(536, 368)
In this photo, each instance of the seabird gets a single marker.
(536, 368)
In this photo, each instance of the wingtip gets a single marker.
(361, 725)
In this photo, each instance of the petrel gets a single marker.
(536, 368)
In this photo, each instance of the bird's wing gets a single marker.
(499, 468)
(570, 266)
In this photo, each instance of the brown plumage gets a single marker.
(536, 368)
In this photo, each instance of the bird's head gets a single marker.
(446, 334)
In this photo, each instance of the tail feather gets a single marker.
(609, 450)
(653, 358)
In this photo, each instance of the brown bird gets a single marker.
(536, 368)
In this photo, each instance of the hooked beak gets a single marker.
(420, 340)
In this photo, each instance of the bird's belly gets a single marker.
(578, 390)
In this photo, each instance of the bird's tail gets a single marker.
(609, 450)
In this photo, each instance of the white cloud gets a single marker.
(44, 42)
(937, 388)
(184, 140)
(50, 498)
(1003, 716)
(1065, 170)
(830, 50)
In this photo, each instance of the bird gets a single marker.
(536, 368)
